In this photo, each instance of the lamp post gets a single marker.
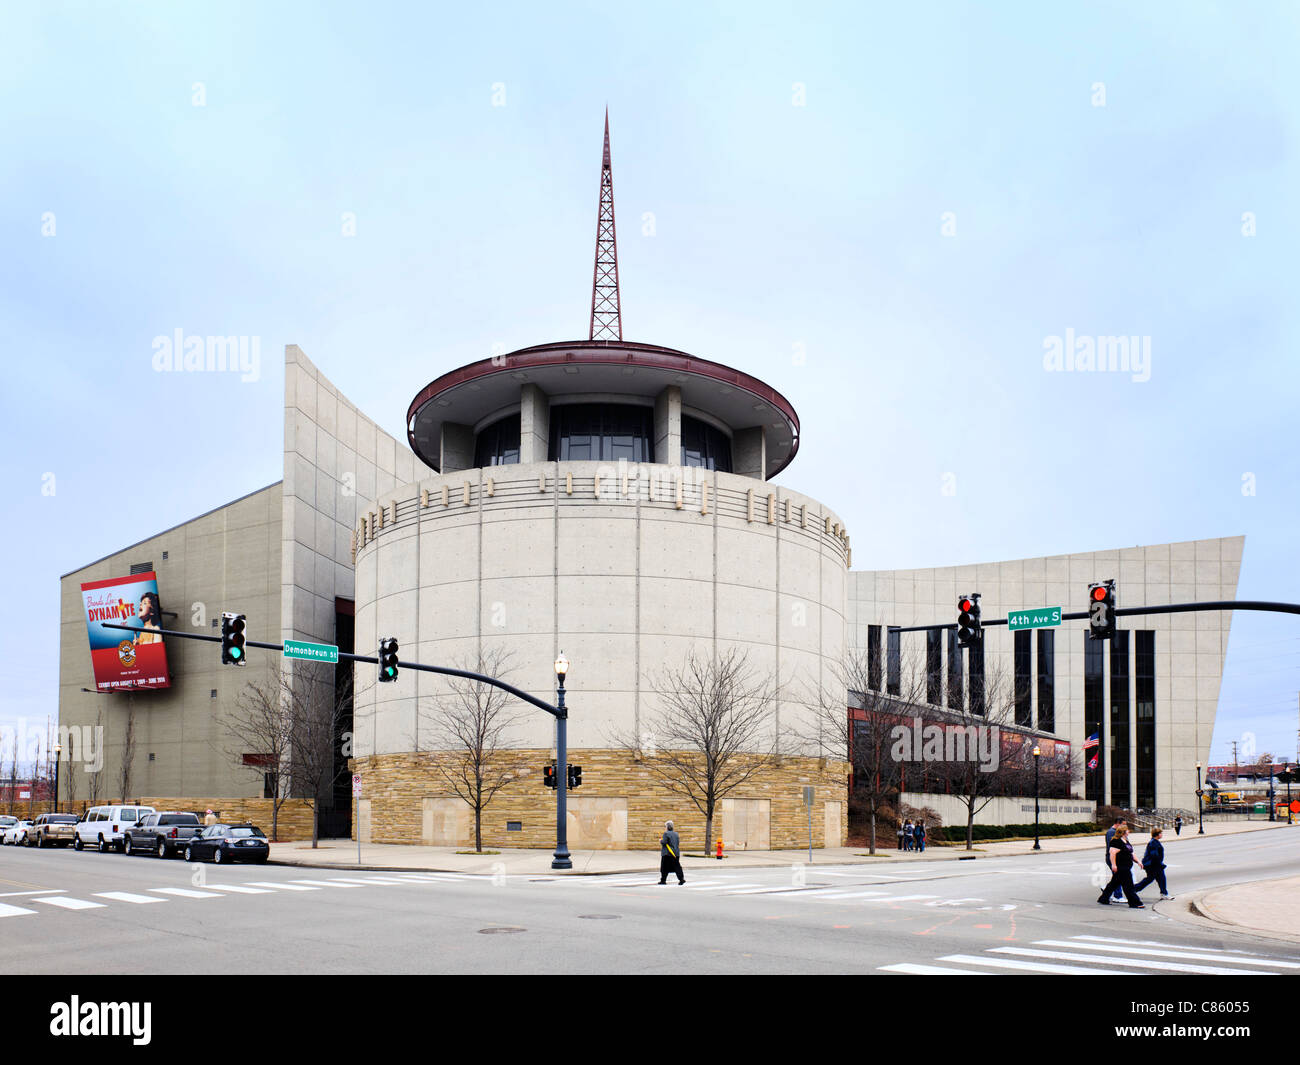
(1200, 802)
(1037, 752)
(1272, 796)
(58, 757)
(561, 859)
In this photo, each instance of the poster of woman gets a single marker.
(123, 659)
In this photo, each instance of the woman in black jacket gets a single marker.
(1121, 864)
(1153, 861)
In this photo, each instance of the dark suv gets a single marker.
(163, 834)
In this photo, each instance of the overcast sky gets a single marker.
(882, 210)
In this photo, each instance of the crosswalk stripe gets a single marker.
(378, 880)
(1168, 946)
(279, 885)
(239, 889)
(1032, 966)
(185, 893)
(126, 896)
(430, 877)
(12, 911)
(348, 881)
(1149, 952)
(326, 883)
(71, 904)
(1135, 963)
(930, 970)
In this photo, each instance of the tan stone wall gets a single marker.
(397, 786)
(294, 822)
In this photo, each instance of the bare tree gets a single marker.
(96, 778)
(318, 707)
(711, 733)
(470, 725)
(854, 719)
(128, 752)
(260, 730)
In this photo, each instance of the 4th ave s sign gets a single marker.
(1042, 618)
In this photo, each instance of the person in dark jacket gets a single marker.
(670, 855)
(1178, 825)
(900, 835)
(918, 836)
(1110, 834)
(1153, 861)
(907, 835)
(1120, 853)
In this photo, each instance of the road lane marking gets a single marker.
(1137, 963)
(1170, 946)
(185, 893)
(326, 883)
(239, 889)
(42, 891)
(931, 970)
(72, 904)
(1148, 952)
(1032, 966)
(13, 911)
(279, 885)
(126, 896)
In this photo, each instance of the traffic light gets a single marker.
(387, 659)
(548, 776)
(968, 619)
(1101, 610)
(575, 776)
(232, 639)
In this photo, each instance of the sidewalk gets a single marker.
(383, 857)
(1264, 907)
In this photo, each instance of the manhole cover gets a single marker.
(599, 917)
(500, 931)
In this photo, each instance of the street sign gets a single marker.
(1042, 618)
(356, 786)
(312, 652)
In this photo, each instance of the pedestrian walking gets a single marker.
(1153, 861)
(209, 818)
(1120, 853)
(670, 855)
(1178, 825)
(900, 835)
(1110, 834)
(908, 833)
(918, 836)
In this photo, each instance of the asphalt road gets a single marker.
(64, 912)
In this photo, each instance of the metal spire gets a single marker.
(606, 321)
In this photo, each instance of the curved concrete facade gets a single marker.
(626, 568)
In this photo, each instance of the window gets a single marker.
(1024, 670)
(1119, 736)
(1093, 709)
(601, 432)
(954, 671)
(893, 662)
(873, 657)
(1145, 692)
(1047, 680)
(934, 666)
(703, 445)
(498, 444)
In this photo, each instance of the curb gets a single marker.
(1193, 912)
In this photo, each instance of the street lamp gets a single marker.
(561, 859)
(1272, 795)
(1037, 752)
(58, 757)
(1200, 802)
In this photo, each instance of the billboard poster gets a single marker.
(123, 659)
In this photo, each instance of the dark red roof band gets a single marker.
(609, 353)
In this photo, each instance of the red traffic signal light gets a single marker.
(1099, 592)
(548, 776)
(964, 606)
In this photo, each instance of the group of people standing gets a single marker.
(1120, 859)
(911, 836)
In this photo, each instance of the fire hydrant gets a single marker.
(719, 850)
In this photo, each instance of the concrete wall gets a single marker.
(1000, 811)
(1190, 648)
(531, 558)
(227, 559)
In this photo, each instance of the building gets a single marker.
(613, 500)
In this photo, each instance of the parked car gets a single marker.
(52, 830)
(162, 834)
(16, 833)
(229, 843)
(105, 826)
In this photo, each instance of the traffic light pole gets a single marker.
(1169, 608)
(561, 858)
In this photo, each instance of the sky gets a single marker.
(884, 211)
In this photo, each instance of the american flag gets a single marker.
(1091, 741)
